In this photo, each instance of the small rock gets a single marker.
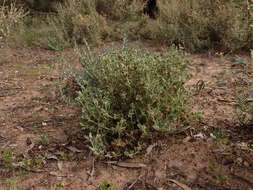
(239, 160)
(150, 148)
(246, 164)
(28, 141)
(187, 139)
(60, 165)
(227, 161)
(74, 149)
(89, 182)
(212, 136)
(44, 124)
(200, 135)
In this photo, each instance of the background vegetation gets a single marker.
(196, 25)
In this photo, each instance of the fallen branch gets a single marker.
(126, 164)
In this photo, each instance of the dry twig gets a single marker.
(183, 186)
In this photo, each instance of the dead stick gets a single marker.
(185, 187)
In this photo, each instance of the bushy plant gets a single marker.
(129, 97)
(79, 21)
(120, 10)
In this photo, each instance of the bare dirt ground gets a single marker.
(43, 133)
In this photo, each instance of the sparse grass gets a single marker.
(44, 139)
(7, 157)
(35, 31)
(9, 160)
(53, 44)
(64, 156)
(31, 164)
(245, 93)
(220, 135)
(217, 169)
(12, 184)
(4, 56)
(10, 18)
(27, 34)
(58, 186)
(245, 105)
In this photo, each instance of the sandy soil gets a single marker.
(38, 127)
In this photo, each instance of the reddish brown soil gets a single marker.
(30, 107)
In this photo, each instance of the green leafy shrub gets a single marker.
(129, 97)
